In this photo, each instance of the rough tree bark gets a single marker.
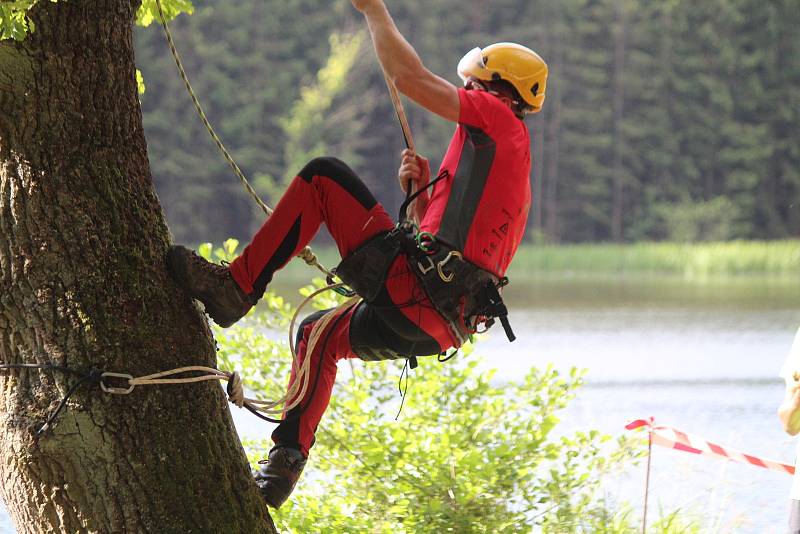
(83, 284)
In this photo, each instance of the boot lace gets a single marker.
(215, 269)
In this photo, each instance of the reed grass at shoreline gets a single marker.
(688, 260)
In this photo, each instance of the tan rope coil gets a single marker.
(295, 393)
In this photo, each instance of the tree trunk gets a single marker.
(553, 133)
(83, 285)
(538, 177)
(618, 89)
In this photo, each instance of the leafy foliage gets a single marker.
(466, 455)
(140, 82)
(308, 125)
(148, 11)
(15, 22)
(713, 220)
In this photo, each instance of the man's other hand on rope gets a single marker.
(415, 171)
(364, 5)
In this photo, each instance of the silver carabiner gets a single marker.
(425, 269)
(113, 390)
(448, 277)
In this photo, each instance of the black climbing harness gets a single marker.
(466, 295)
(463, 293)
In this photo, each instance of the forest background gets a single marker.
(670, 120)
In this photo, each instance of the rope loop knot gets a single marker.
(235, 389)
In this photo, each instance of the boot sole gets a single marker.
(271, 501)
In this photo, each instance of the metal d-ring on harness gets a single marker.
(439, 266)
(463, 293)
(448, 277)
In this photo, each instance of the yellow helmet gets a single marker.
(516, 64)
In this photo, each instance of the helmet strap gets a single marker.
(516, 105)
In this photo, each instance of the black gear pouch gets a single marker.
(366, 268)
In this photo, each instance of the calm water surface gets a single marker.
(702, 357)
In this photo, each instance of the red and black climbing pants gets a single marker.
(399, 322)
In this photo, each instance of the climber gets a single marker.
(425, 289)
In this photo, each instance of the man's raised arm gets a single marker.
(403, 66)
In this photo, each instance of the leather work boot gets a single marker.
(278, 477)
(210, 283)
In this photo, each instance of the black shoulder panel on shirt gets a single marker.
(469, 182)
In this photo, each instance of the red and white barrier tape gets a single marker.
(675, 439)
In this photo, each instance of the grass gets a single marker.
(689, 260)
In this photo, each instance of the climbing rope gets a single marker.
(123, 383)
(299, 386)
(400, 111)
(306, 254)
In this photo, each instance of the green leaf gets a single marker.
(205, 250)
(140, 82)
(14, 21)
(148, 11)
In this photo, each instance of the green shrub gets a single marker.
(466, 454)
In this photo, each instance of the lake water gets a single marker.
(702, 357)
